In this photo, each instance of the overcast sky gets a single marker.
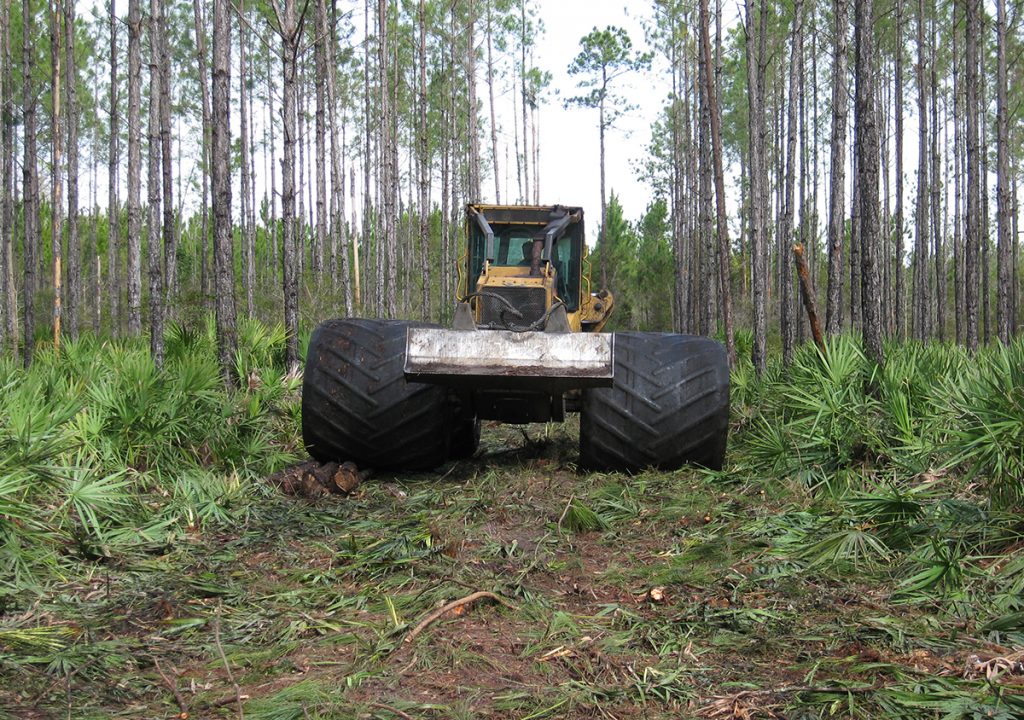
(569, 145)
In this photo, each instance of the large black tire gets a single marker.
(669, 405)
(358, 406)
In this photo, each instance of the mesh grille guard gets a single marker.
(529, 302)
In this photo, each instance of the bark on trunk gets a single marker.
(837, 180)
(204, 170)
(787, 319)
(56, 178)
(973, 238)
(220, 173)
(153, 249)
(759, 258)
(10, 297)
(867, 180)
(75, 273)
(920, 298)
(288, 24)
(30, 183)
(169, 235)
(113, 189)
(724, 260)
(1004, 260)
(134, 258)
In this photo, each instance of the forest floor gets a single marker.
(651, 596)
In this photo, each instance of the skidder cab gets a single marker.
(525, 346)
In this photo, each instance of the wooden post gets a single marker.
(807, 292)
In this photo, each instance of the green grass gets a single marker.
(861, 555)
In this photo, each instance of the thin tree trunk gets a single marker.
(204, 165)
(30, 182)
(345, 276)
(423, 161)
(985, 332)
(220, 172)
(898, 220)
(973, 239)
(522, 106)
(7, 225)
(248, 224)
(290, 36)
(113, 189)
(1004, 260)
(939, 329)
(787, 315)
(724, 260)
(320, 137)
(167, 187)
(56, 158)
(837, 182)
(153, 249)
(134, 167)
(920, 300)
(867, 179)
(757, 179)
(388, 274)
(490, 95)
(471, 114)
(75, 273)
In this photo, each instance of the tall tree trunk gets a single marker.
(971, 247)
(490, 95)
(901, 323)
(985, 333)
(837, 182)
(724, 260)
(56, 159)
(471, 113)
(867, 179)
(290, 36)
(167, 187)
(134, 167)
(204, 165)
(523, 41)
(345, 275)
(75, 273)
(220, 172)
(1004, 260)
(113, 189)
(30, 181)
(706, 254)
(920, 298)
(603, 257)
(787, 317)
(367, 160)
(248, 220)
(388, 274)
(937, 227)
(320, 136)
(153, 249)
(759, 255)
(10, 297)
(423, 161)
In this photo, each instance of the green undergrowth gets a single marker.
(103, 455)
(860, 555)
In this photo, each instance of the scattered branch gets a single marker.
(462, 602)
(227, 666)
(172, 685)
(393, 711)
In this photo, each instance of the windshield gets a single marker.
(513, 247)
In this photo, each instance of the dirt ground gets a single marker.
(655, 596)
